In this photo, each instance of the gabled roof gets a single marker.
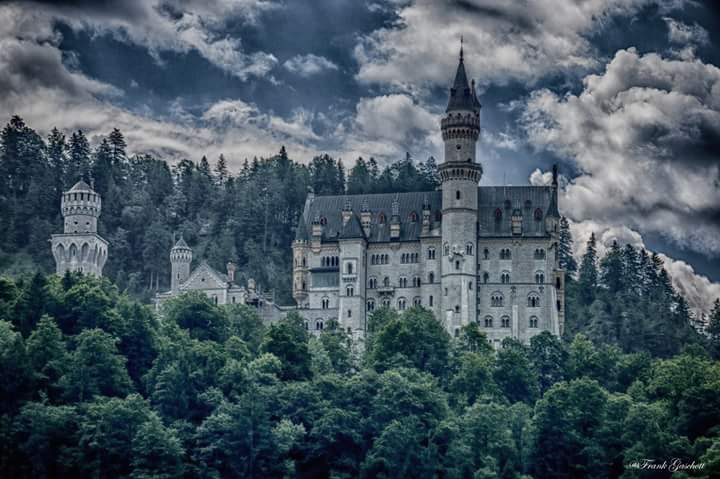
(181, 244)
(352, 229)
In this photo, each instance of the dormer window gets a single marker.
(538, 214)
(381, 218)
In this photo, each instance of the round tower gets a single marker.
(79, 247)
(460, 173)
(180, 259)
(80, 209)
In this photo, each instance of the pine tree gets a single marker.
(565, 248)
(79, 160)
(221, 171)
(611, 269)
(588, 272)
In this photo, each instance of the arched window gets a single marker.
(402, 258)
(371, 305)
(403, 282)
(430, 300)
(486, 253)
(319, 325)
(416, 281)
(381, 218)
(446, 249)
(372, 283)
(488, 321)
(402, 304)
(325, 303)
(539, 253)
(386, 282)
(498, 214)
(457, 308)
(323, 220)
(538, 214)
(457, 195)
(431, 277)
(505, 254)
(486, 277)
(469, 249)
(413, 217)
(533, 322)
(505, 321)
(505, 277)
(386, 303)
(533, 300)
(470, 285)
(539, 277)
(558, 283)
(496, 300)
(417, 301)
(350, 291)
(457, 265)
(431, 253)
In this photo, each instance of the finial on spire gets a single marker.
(461, 48)
(555, 175)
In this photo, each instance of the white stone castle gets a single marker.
(80, 247)
(468, 253)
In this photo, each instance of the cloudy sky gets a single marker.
(623, 94)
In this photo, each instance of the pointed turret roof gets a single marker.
(553, 208)
(81, 186)
(462, 96)
(181, 244)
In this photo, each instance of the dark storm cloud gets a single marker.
(132, 10)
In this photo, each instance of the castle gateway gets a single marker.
(468, 253)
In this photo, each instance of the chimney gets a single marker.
(395, 220)
(426, 216)
(365, 217)
(231, 271)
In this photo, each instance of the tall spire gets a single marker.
(462, 97)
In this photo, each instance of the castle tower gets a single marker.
(79, 247)
(460, 174)
(180, 259)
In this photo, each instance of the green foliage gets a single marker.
(414, 339)
(288, 341)
(195, 313)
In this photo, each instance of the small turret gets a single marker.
(180, 259)
(231, 268)
(552, 218)
(425, 216)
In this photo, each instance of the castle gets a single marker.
(80, 247)
(468, 253)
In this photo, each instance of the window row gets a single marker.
(402, 303)
(402, 282)
(537, 215)
(469, 250)
(505, 277)
(505, 322)
(497, 300)
(505, 253)
(409, 258)
(329, 261)
(379, 259)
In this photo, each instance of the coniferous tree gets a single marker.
(588, 272)
(713, 328)
(565, 248)
(78, 160)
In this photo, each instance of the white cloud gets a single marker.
(161, 25)
(503, 40)
(644, 135)
(308, 65)
(683, 33)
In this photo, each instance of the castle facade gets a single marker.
(469, 253)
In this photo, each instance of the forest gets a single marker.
(95, 384)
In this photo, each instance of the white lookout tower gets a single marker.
(79, 247)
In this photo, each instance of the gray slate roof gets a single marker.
(490, 198)
(81, 186)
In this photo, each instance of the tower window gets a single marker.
(505, 321)
(430, 300)
(457, 308)
(457, 195)
(533, 321)
(457, 265)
